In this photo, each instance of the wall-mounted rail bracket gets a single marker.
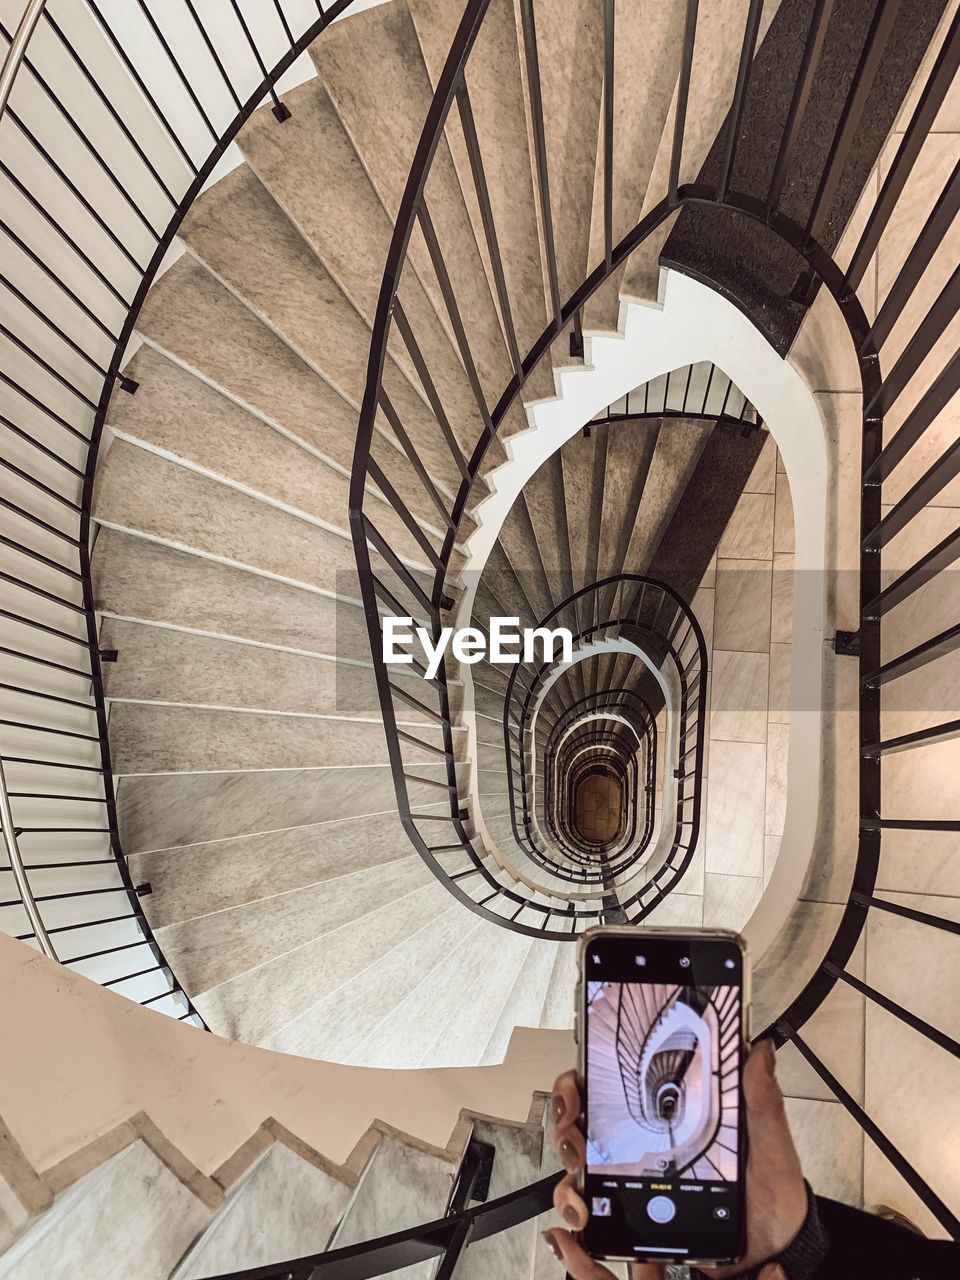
(282, 111)
(463, 815)
(144, 890)
(847, 644)
(128, 384)
(109, 655)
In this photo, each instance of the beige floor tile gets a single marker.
(735, 806)
(902, 1067)
(749, 535)
(763, 478)
(783, 521)
(778, 698)
(743, 604)
(835, 1035)
(729, 901)
(781, 611)
(829, 1143)
(778, 748)
(738, 700)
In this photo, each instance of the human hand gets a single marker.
(775, 1192)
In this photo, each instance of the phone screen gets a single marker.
(664, 1122)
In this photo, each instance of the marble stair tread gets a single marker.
(557, 1011)
(244, 237)
(393, 69)
(332, 1028)
(168, 811)
(313, 172)
(520, 544)
(207, 951)
(464, 1037)
(495, 85)
(204, 878)
(582, 461)
(178, 413)
(507, 587)
(161, 664)
(140, 491)
(403, 1185)
(130, 1215)
(154, 738)
(630, 450)
(285, 1206)
(257, 1002)
(523, 1005)
(516, 1164)
(544, 497)
(680, 442)
(570, 49)
(690, 540)
(191, 317)
(138, 578)
(716, 56)
(648, 39)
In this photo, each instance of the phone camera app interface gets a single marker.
(663, 1114)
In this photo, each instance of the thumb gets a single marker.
(773, 1272)
(770, 1143)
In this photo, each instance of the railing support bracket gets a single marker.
(847, 644)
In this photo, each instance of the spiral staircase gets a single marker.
(636, 320)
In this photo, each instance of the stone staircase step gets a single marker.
(156, 738)
(138, 578)
(160, 664)
(216, 876)
(316, 176)
(142, 492)
(647, 42)
(404, 1183)
(171, 810)
(181, 416)
(131, 1215)
(238, 941)
(334, 1026)
(192, 318)
(286, 1205)
(243, 236)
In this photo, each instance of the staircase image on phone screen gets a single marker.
(662, 1063)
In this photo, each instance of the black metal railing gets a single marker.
(647, 618)
(882, 384)
(694, 391)
(83, 242)
(60, 389)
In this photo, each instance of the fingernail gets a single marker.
(553, 1245)
(559, 1108)
(569, 1156)
(570, 1215)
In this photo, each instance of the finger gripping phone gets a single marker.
(662, 1024)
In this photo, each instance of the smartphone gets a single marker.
(662, 1033)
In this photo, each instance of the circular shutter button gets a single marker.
(661, 1209)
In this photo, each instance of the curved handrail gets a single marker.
(878, 392)
(76, 491)
(12, 846)
(17, 50)
(690, 673)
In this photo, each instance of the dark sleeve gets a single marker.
(861, 1244)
